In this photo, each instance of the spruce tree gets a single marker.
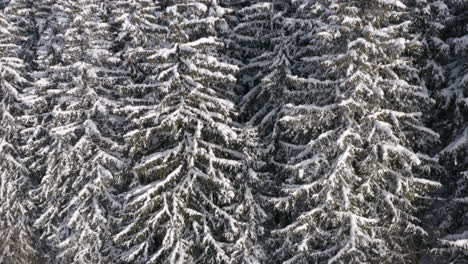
(264, 42)
(250, 206)
(21, 14)
(184, 146)
(47, 42)
(431, 19)
(358, 145)
(453, 100)
(17, 236)
(250, 37)
(137, 35)
(76, 194)
(260, 44)
(233, 131)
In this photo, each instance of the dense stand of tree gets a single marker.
(233, 131)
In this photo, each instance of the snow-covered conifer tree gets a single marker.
(251, 30)
(259, 43)
(233, 131)
(21, 14)
(250, 202)
(17, 236)
(184, 144)
(432, 15)
(269, 36)
(358, 146)
(138, 37)
(48, 28)
(454, 124)
(76, 194)
(263, 41)
(137, 34)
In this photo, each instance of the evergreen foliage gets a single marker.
(17, 237)
(184, 144)
(454, 119)
(233, 131)
(76, 193)
(360, 145)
